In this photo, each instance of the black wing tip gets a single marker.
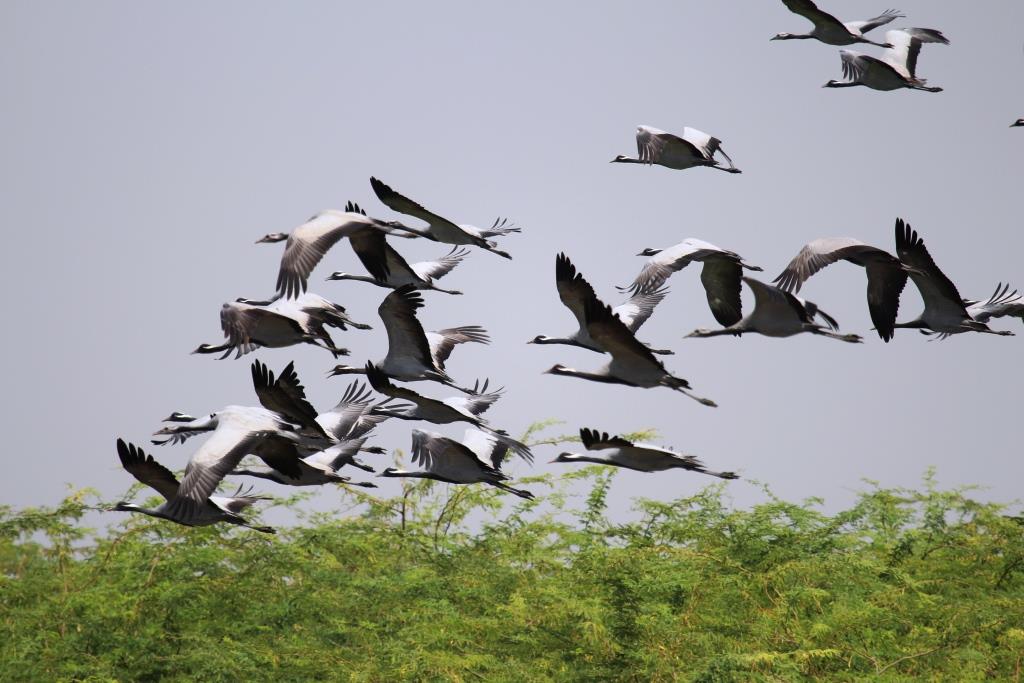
(380, 188)
(410, 294)
(564, 268)
(130, 454)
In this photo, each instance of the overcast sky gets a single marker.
(146, 146)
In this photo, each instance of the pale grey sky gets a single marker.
(147, 146)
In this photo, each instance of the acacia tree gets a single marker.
(458, 583)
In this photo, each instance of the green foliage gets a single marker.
(467, 583)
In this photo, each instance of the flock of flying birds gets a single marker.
(300, 446)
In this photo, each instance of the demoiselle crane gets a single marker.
(944, 308)
(621, 452)
(693, 148)
(441, 229)
(778, 313)
(830, 30)
(191, 502)
(574, 291)
(456, 409)
(886, 275)
(413, 354)
(454, 462)
(632, 363)
(720, 274)
(896, 69)
(306, 245)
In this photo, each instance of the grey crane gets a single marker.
(574, 291)
(886, 275)
(632, 363)
(896, 69)
(456, 409)
(388, 269)
(830, 30)
(249, 325)
(413, 354)
(620, 452)
(306, 245)
(1001, 304)
(693, 148)
(720, 274)
(944, 308)
(314, 470)
(441, 229)
(778, 313)
(475, 460)
(192, 502)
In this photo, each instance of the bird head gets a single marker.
(649, 252)
(344, 370)
(620, 158)
(198, 424)
(832, 84)
(1017, 124)
(781, 36)
(390, 472)
(556, 369)
(273, 237)
(539, 339)
(338, 275)
(566, 457)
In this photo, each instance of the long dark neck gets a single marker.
(592, 376)
(361, 278)
(557, 340)
(418, 475)
(271, 475)
(143, 511)
(591, 458)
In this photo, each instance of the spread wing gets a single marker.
(406, 337)
(906, 46)
(147, 470)
(573, 290)
(442, 342)
(863, 27)
(214, 460)
(612, 335)
(435, 270)
(639, 307)
(721, 278)
(285, 396)
(594, 440)
(479, 401)
(885, 284)
(772, 298)
(376, 255)
(402, 204)
(240, 323)
(935, 287)
(810, 11)
(816, 255)
(652, 144)
(307, 245)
